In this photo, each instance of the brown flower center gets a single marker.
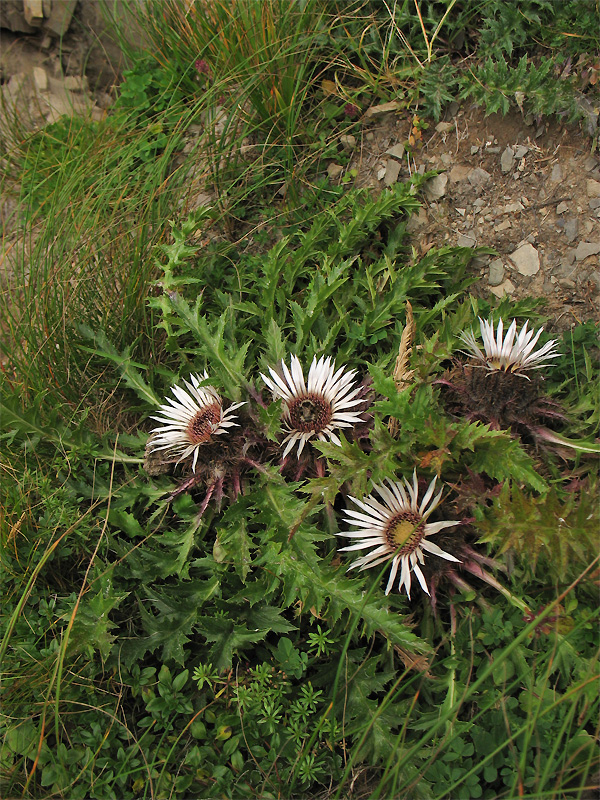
(202, 425)
(310, 414)
(405, 531)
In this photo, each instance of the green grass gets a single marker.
(155, 643)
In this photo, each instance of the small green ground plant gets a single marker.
(178, 631)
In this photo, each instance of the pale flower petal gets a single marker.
(191, 420)
(503, 353)
(396, 530)
(314, 409)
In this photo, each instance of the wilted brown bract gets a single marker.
(402, 374)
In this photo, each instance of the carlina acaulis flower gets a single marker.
(395, 529)
(317, 408)
(493, 386)
(511, 352)
(190, 421)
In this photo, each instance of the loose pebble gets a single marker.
(496, 272)
(397, 151)
(556, 175)
(592, 188)
(392, 171)
(478, 177)
(506, 287)
(526, 259)
(435, 188)
(507, 159)
(586, 249)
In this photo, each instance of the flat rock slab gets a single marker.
(463, 240)
(506, 287)
(526, 259)
(586, 249)
(496, 273)
(593, 188)
(392, 172)
(507, 160)
(397, 151)
(459, 173)
(479, 177)
(435, 188)
(417, 221)
(556, 175)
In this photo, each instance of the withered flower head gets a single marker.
(502, 394)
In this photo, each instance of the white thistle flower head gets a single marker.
(191, 420)
(505, 354)
(396, 530)
(314, 409)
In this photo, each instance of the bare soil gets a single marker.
(537, 204)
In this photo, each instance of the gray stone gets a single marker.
(40, 79)
(506, 287)
(556, 175)
(397, 151)
(474, 149)
(493, 150)
(507, 160)
(417, 221)
(480, 262)
(446, 159)
(348, 141)
(76, 83)
(496, 273)
(512, 208)
(571, 228)
(392, 171)
(562, 207)
(444, 127)
(502, 226)
(586, 249)
(60, 17)
(591, 163)
(459, 173)
(466, 241)
(526, 259)
(435, 188)
(521, 150)
(594, 203)
(334, 171)
(12, 17)
(592, 188)
(478, 177)
(479, 202)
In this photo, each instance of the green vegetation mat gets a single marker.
(280, 517)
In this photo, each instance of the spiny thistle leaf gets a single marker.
(559, 534)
